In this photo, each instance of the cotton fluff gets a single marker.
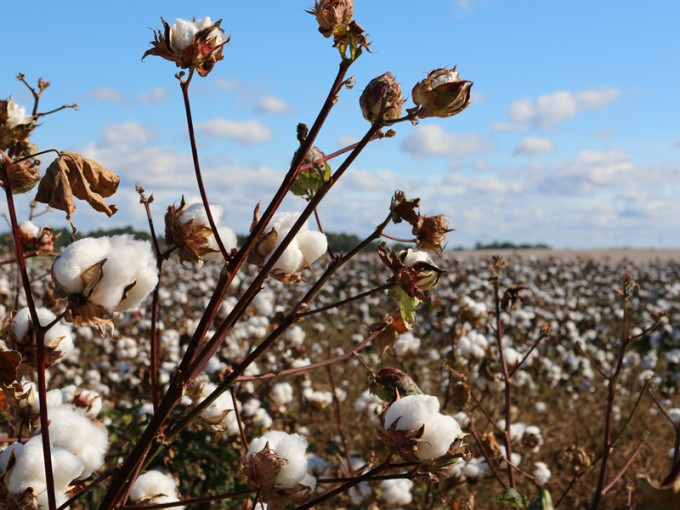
(130, 265)
(71, 430)
(542, 473)
(397, 492)
(29, 471)
(305, 248)
(182, 33)
(220, 411)
(58, 336)
(416, 411)
(155, 487)
(281, 393)
(289, 446)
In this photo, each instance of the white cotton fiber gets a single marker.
(154, 483)
(29, 470)
(127, 261)
(229, 241)
(292, 447)
(397, 492)
(413, 411)
(77, 257)
(196, 212)
(312, 245)
(440, 431)
(72, 430)
(416, 411)
(58, 337)
(292, 259)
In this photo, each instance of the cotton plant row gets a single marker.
(202, 375)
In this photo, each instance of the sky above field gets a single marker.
(572, 138)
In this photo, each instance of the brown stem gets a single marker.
(489, 460)
(607, 443)
(346, 486)
(338, 415)
(197, 167)
(625, 466)
(39, 334)
(147, 442)
(506, 380)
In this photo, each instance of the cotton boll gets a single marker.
(229, 241)
(281, 393)
(155, 485)
(284, 221)
(542, 473)
(397, 492)
(71, 430)
(440, 431)
(78, 256)
(129, 262)
(292, 259)
(29, 470)
(360, 492)
(412, 411)
(289, 446)
(58, 336)
(312, 245)
(196, 212)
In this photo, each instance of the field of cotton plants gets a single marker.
(194, 370)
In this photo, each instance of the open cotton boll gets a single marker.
(397, 492)
(292, 259)
(440, 431)
(154, 484)
(284, 221)
(77, 257)
(196, 212)
(291, 447)
(129, 262)
(412, 411)
(229, 241)
(22, 320)
(30, 228)
(29, 470)
(312, 245)
(72, 430)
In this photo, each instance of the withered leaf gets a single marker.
(9, 362)
(73, 175)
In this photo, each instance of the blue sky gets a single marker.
(572, 139)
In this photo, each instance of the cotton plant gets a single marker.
(104, 275)
(276, 465)
(416, 430)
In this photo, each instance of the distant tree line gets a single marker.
(341, 242)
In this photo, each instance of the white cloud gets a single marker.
(551, 109)
(432, 140)
(347, 140)
(248, 132)
(106, 94)
(534, 145)
(273, 104)
(155, 95)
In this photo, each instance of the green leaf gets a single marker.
(542, 502)
(407, 306)
(513, 499)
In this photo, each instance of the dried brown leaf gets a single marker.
(72, 175)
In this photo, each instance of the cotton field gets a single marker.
(562, 331)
